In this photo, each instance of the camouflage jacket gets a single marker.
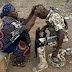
(55, 22)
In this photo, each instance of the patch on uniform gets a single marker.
(56, 22)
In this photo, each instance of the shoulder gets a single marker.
(8, 20)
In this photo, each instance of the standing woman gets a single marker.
(14, 35)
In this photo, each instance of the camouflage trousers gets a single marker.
(51, 41)
(57, 62)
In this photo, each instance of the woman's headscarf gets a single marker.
(6, 9)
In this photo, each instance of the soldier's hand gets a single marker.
(54, 53)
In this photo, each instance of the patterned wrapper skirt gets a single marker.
(21, 53)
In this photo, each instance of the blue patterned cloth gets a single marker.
(10, 34)
(6, 9)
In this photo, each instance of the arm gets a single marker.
(30, 15)
(60, 41)
(28, 18)
(31, 22)
(55, 20)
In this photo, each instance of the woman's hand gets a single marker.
(38, 11)
(35, 7)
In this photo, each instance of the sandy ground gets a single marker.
(34, 61)
(24, 8)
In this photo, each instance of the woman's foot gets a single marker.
(19, 64)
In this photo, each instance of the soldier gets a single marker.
(57, 26)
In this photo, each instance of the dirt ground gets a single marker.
(24, 8)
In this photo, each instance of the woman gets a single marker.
(14, 35)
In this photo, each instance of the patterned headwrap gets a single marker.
(6, 9)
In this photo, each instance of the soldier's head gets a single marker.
(44, 12)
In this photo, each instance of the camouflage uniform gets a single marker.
(54, 22)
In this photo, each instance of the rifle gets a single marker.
(37, 39)
(48, 40)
